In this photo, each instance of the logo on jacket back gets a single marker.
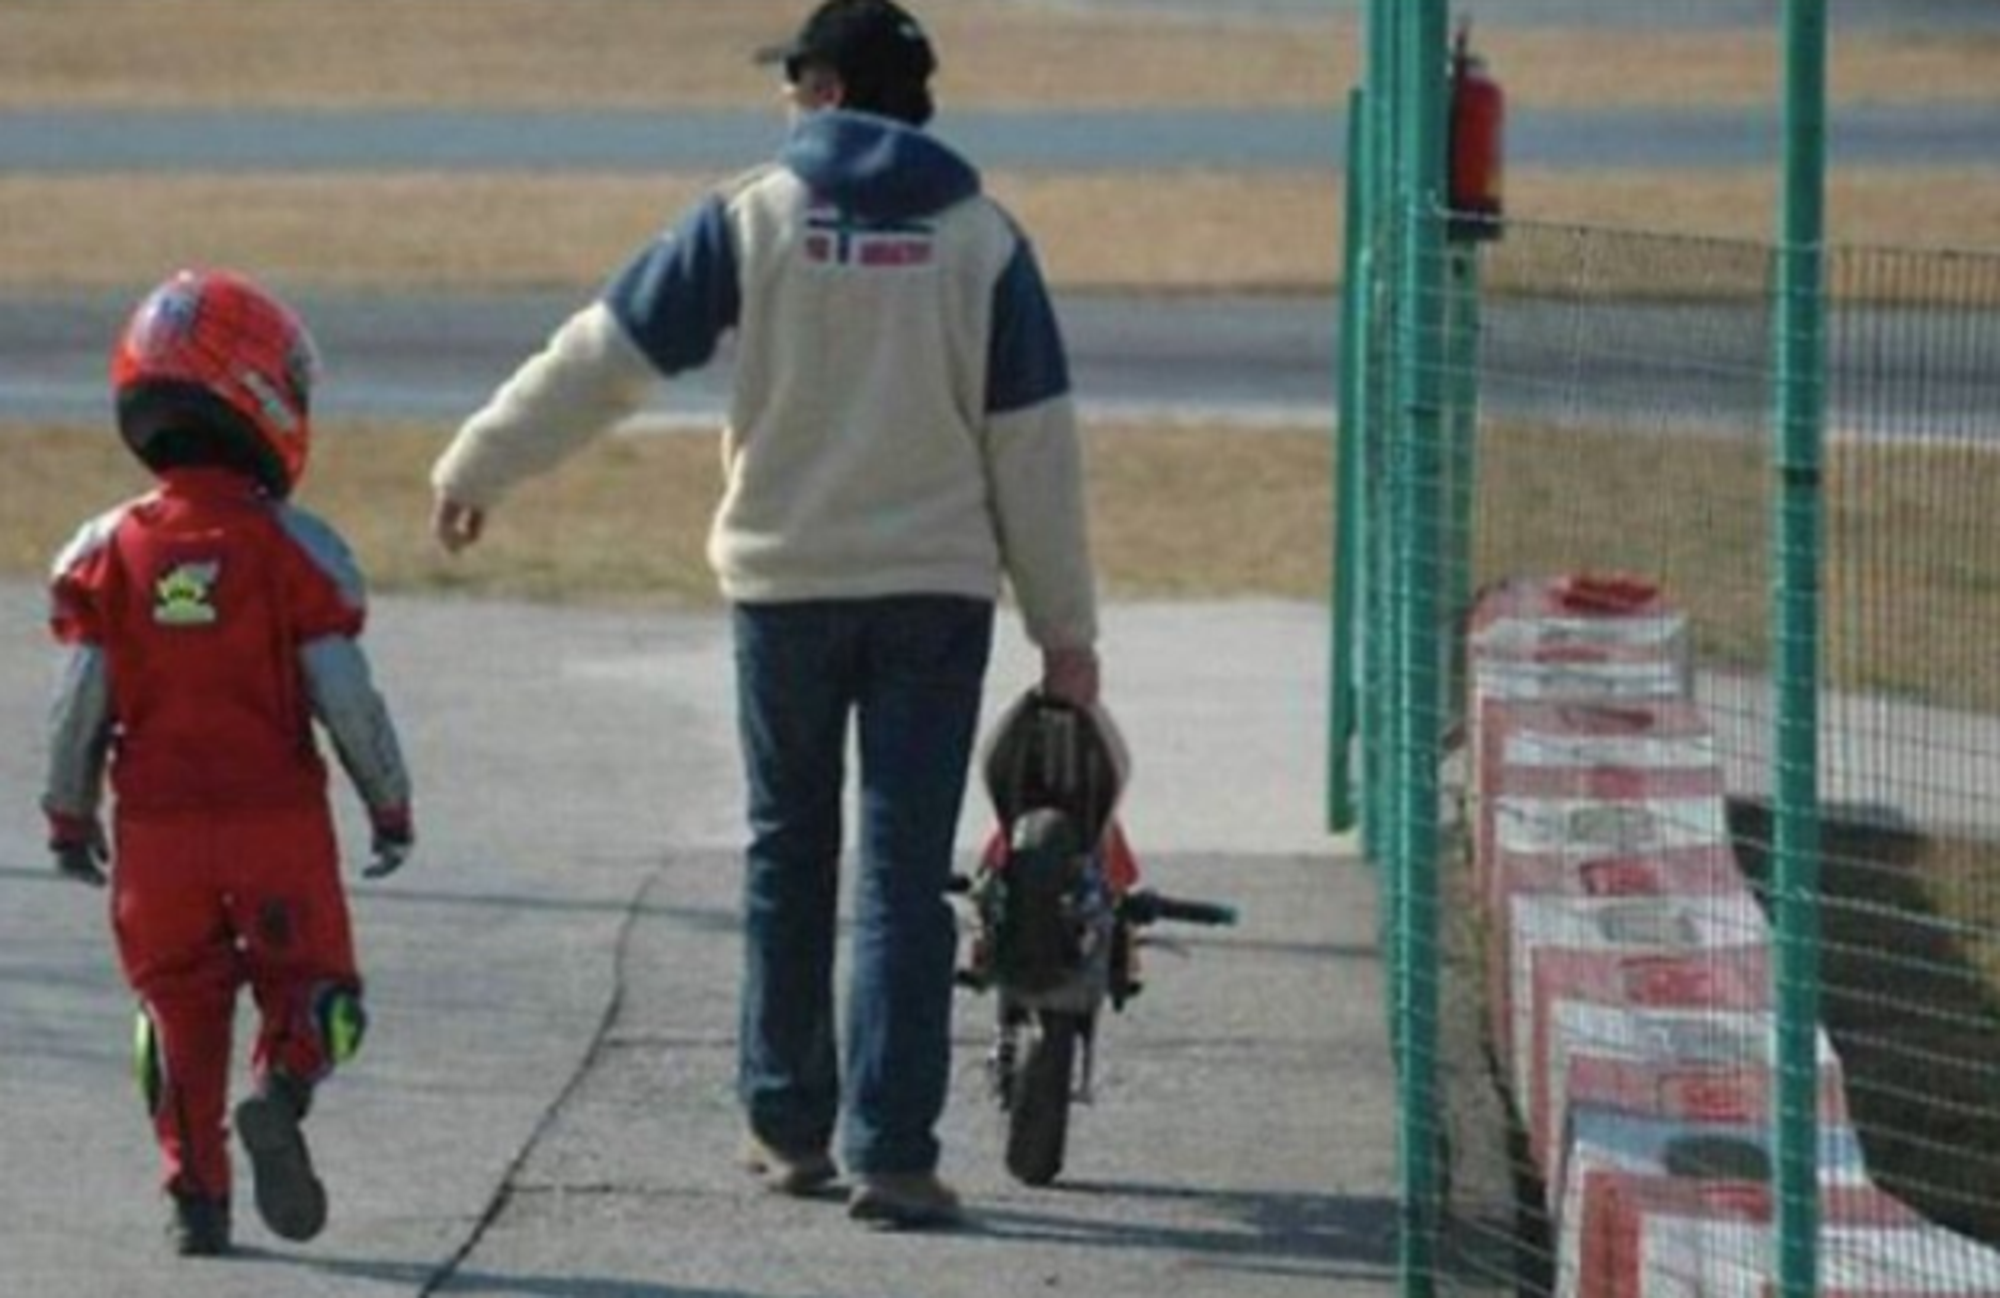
(836, 238)
(185, 595)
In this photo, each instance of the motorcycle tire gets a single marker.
(1038, 947)
(1039, 1097)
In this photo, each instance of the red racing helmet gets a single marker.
(1047, 752)
(212, 369)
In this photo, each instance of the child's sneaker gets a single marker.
(290, 1198)
(782, 1173)
(197, 1226)
(904, 1201)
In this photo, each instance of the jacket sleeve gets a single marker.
(79, 717)
(664, 313)
(79, 734)
(681, 295)
(587, 378)
(347, 704)
(329, 608)
(1035, 462)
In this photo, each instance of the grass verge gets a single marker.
(1180, 512)
(1210, 512)
(664, 54)
(1912, 600)
(1267, 232)
(480, 232)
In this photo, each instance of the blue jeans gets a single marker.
(909, 670)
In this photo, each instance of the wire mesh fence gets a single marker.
(1606, 952)
(1912, 743)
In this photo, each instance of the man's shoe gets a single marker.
(290, 1198)
(904, 1201)
(197, 1226)
(786, 1173)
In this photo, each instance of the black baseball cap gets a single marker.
(868, 42)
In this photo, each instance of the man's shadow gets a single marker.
(1337, 1236)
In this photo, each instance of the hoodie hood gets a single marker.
(876, 167)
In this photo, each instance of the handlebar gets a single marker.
(1146, 906)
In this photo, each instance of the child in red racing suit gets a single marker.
(204, 628)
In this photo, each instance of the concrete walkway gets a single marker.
(544, 1104)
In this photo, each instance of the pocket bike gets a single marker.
(1055, 910)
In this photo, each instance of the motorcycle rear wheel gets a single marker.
(1038, 1099)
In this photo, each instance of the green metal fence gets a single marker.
(1798, 448)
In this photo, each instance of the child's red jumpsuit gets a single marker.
(205, 627)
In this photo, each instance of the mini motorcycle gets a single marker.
(1055, 916)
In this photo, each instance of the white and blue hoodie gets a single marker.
(901, 420)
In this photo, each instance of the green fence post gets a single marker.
(1379, 702)
(1420, 460)
(1378, 629)
(1462, 440)
(1348, 494)
(1800, 413)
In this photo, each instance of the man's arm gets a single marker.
(586, 379)
(663, 314)
(1035, 464)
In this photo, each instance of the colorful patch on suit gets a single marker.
(836, 238)
(342, 1020)
(149, 1068)
(184, 595)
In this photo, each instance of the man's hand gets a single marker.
(80, 852)
(394, 835)
(1070, 674)
(456, 524)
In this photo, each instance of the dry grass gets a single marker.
(686, 53)
(1913, 607)
(401, 231)
(1556, 68)
(484, 231)
(616, 53)
(1187, 511)
(1911, 540)
(1257, 231)
(1911, 207)
(1180, 512)
(1687, 513)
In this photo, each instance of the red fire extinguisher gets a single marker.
(1478, 120)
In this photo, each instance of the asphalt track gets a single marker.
(57, 142)
(1251, 360)
(1246, 361)
(437, 357)
(543, 1107)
